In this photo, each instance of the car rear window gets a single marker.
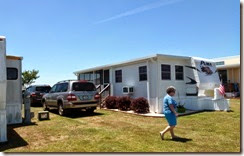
(43, 89)
(83, 86)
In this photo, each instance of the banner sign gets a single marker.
(206, 74)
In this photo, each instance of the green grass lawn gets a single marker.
(108, 131)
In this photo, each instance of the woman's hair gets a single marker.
(170, 89)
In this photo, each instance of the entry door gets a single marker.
(105, 81)
(106, 77)
(98, 77)
(223, 76)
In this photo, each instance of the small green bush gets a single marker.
(181, 108)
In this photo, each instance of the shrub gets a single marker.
(181, 108)
(111, 102)
(124, 103)
(140, 105)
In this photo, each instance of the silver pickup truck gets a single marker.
(71, 94)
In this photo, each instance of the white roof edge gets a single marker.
(3, 37)
(205, 59)
(174, 56)
(130, 61)
(226, 57)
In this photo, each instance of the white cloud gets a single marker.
(141, 9)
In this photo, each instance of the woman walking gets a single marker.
(170, 112)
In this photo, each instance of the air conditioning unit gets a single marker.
(128, 90)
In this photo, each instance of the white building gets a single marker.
(10, 90)
(194, 79)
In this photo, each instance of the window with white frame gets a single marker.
(12, 73)
(165, 72)
(179, 72)
(118, 76)
(143, 73)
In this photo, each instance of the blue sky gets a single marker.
(58, 37)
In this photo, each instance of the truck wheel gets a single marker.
(61, 110)
(44, 105)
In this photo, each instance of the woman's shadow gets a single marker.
(180, 139)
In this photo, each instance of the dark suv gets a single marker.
(71, 94)
(35, 93)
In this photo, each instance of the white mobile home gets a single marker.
(10, 90)
(194, 78)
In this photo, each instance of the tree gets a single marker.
(29, 77)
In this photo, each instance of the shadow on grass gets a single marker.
(180, 139)
(228, 111)
(14, 139)
(76, 113)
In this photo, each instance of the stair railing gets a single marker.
(103, 96)
(99, 87)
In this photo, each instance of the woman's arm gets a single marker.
(171, 106)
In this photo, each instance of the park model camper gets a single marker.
(195, 80)
(10, 90)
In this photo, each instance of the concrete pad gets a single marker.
(155, 115)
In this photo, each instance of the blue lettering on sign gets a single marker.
(206, 63)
